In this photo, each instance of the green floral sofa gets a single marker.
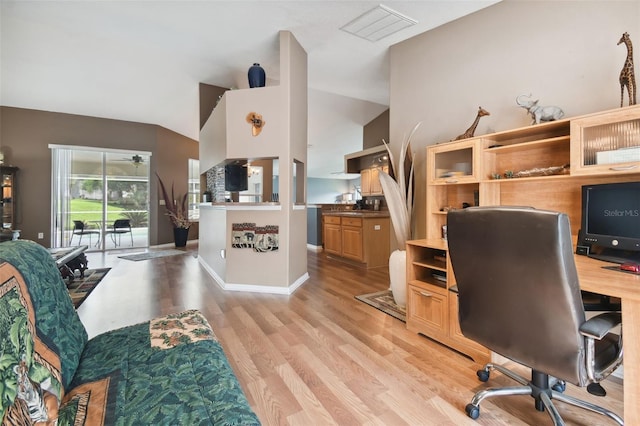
(168, 371)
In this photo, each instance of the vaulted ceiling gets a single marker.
(143, 60)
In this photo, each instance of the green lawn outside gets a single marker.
(91, 210)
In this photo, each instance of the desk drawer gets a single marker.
(352, 221)
(427, 310)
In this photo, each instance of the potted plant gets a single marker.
(398, 193)
(178, 212)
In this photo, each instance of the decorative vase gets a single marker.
(256, 76)
(398, 276)
(180, 236)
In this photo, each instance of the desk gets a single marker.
(626, 286)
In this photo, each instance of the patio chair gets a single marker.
(119, 227)
(79, 228)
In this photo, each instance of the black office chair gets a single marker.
(119, 227)
(79, 228)
(519, 296)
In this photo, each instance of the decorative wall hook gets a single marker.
(256, 121)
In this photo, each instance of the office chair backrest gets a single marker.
(78, 224)
(518, 286)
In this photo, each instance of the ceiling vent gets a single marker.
(378, 23)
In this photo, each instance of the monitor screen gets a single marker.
(611, 216)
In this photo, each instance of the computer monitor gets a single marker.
(610, 226)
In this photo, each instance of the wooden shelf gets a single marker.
(434, 264)
(523, 146)
(529, 179)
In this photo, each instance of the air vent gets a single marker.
(378, 23)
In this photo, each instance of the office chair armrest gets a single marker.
(600, 325)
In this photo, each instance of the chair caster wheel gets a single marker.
(559, 386)
(596, 389)
(472, 411)
(483, 375)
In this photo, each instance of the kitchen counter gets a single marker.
(362, 236)
(357, 213)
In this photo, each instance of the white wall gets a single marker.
(564, 52)
(325, 191)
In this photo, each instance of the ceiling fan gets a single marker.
(136, 160)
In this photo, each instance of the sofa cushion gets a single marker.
(170, 370)
(56, 320)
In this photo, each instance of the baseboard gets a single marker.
(619, 372)
(252, 288)
(172, 245)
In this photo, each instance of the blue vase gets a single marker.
(257, 77)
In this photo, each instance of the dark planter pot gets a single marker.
(180, 236)
(257, 77)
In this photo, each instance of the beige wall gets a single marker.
(376, 130)
(293, 65)
(564, 52)
(25, 136)
(226, 135)
(209, 96)
(170, 159)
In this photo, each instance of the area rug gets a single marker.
(383, 300)
(152, 254)
(80, 288)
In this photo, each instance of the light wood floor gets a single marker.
(319, 356)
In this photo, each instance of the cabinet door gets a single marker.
(376, 187)
(352, 243)
(606, 144)
(365, 182)
(332, 238)
(427, 310)
(457, 162)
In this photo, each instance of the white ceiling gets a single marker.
(142, 60)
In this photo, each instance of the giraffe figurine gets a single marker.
(471, 130)
(627, 76)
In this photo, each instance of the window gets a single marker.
(194, 189)
(98, 186)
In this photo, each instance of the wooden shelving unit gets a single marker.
(464, 172)
(8, 200)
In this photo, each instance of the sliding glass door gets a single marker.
(100, 198)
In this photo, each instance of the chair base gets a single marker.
(539, 389)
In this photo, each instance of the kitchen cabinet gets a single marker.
(352, 238)
(332, 235)
(363, 238)
(370, 180)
